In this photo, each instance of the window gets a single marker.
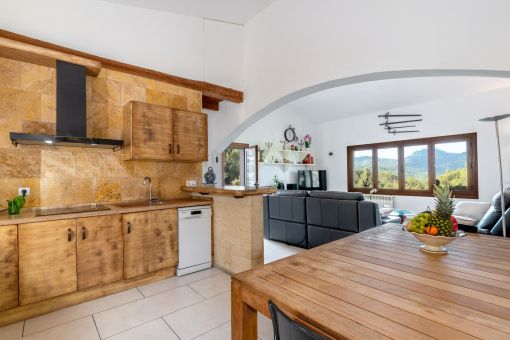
(412, 167)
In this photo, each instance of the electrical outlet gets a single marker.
(20, 191)
(191, 183)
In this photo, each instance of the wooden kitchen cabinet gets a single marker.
(8, 267)
(100, 252)
(150, 241)
(148, 132)
(160, 133)
(47, 260)
(190, 136)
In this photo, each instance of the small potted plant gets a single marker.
(261, 155)
(236, 182)
(277, 183)
(15, 205)
(308, 140)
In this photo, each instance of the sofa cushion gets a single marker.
(278, 230)
(338, 195)
(472, 210)
(294, 193)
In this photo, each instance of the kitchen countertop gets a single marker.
(236, 191)
(28, 215)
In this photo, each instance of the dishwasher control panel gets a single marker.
(201, 211)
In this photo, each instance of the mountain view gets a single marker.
(450, 169)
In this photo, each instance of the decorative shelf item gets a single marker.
(287, 166)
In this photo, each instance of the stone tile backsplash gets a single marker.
(66, 175)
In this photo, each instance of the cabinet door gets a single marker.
(100, 251)
(150, 241)
(8, 267)
(190, 136)
(152, 132)
(47, 260)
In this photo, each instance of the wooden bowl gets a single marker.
(434, 244)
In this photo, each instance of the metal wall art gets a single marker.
(392, 128)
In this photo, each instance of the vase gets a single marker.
(12, 208)
(307, 144)
(210, 176)
(261, 159)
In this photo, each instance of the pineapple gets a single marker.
(444, 209)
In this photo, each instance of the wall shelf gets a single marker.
(287, 166)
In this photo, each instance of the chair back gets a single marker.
(286, 329)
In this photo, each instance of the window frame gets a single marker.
(472, 165)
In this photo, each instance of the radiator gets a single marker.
(384, 201)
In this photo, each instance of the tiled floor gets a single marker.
(195, 306)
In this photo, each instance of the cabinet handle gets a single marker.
(83, 233)
(129, 227)
(178, 149)
(69, 235)
(170, 148)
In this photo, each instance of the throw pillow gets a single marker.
(465, 221)
(471, 210)
(385, 212)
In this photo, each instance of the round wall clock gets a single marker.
(290, 134)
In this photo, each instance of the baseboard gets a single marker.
(24, 312)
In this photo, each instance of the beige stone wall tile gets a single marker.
(131, 93)
(194, 105)
(114, 117)
(8, 190)
(6, 127)
(167, 169)
(105, 91)
(165, 87)
(187, 170)
(34, 199)
(8, 103)
(48, 108)
(102, 73)
(145, 82)
(58, 164)
(112, 134)
(174, 187)
(10, 73)
(88, 87)
(134, 189)
(145, 169)
(41, 128)
(156, 97)
(116, 166)
(96, 114)
(76, 190)
(20, 104)
(177, 102)
(119, 76)
(94, 132)
(50, 191)
(90, 165)
(40, 79)
(17, 163)
(107, 189)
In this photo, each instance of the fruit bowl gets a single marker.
(434, 244)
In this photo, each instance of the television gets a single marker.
(312, 180)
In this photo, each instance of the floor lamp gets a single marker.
(495, 119)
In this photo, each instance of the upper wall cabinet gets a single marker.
(159, 133)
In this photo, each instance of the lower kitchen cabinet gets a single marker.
(8, 267)
(47, 260)
(150, 241)
(100, 250)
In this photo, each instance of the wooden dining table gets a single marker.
(379, 285)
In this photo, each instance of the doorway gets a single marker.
(240, 165)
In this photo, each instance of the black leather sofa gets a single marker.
(492, 221)
(310, 219)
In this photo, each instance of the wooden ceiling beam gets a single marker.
(209, 103)
(208, 90)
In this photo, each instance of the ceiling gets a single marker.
(234, 11)
(376, 96)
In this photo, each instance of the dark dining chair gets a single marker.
(286, 329)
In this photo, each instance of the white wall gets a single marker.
(450, 116)
(271, 129)
(176, 44)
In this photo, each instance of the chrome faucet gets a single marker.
(152, 200)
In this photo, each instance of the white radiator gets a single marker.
(384, 201)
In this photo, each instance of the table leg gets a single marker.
(244, 317)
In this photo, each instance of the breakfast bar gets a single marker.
(238, 225)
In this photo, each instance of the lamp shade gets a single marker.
(494, 118)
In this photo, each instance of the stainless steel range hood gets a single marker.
(71, 115)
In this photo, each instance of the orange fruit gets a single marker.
(431, 230)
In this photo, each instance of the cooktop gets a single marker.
(62, 211)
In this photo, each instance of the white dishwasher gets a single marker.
(194, 236)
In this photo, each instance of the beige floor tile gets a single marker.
(277, 257)
(154, 330)
(264, 327)
(224, 332)
(200, 318)
(212, 286)
(62, 316)
(82, 329)
(176, 281)
(122, 318)
(12, 332)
